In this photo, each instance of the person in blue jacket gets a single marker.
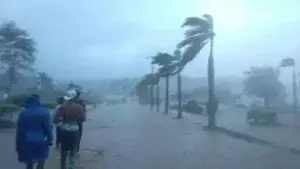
(34, 133)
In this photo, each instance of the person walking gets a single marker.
(70, 113)
(34, 133)
(60, 101)
(80, 121)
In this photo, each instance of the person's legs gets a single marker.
(79, 135)
(29, 166)
(72, 159)
(63, 158)
(57, 137)
(73, 149)
(40, 165)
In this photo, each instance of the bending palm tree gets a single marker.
(290, 62)
(165, 61)
(196, 37)
(143, 85)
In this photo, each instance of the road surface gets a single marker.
(131, 137)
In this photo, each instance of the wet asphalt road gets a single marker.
(131, 137)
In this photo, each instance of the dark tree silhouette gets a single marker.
(17, 51)
(166, 63)
(264, 82)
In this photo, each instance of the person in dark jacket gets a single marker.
(34, 133)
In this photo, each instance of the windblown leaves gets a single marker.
(197, 22)
(196, 37)
(287, 62)
(147, 80)
(162, 59)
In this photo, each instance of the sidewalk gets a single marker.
(287, 133)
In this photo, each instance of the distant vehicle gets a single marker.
(259, 113)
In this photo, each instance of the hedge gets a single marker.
(49, 105)
(8, 108)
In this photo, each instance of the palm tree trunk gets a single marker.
(151, 97)
(167, 96)
(157, 98)
(179, 95)
(212, 105)
(295, 97)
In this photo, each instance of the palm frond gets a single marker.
(177, 54)
(208, 18)
(195, 39)
(162, 59)
(196, 22)
(287, 62)
(191, 52)
(194, 31)
(166, 70)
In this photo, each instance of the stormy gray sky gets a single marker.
(111, 38)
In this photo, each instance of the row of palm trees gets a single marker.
(199, 33)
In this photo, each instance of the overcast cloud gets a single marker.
(111, 38)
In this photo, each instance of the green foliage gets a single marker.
(263, 82)
(49, 105)
(16, 99)
(167, 63)
(163, 59)
(147, 80)
(17, 50)
(8, 108)
(19, 100)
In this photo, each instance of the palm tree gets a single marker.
(17, 51)
(165, 61)
(290, 62)
(143, 86)
(200, 32)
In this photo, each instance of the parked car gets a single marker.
(259, 113)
